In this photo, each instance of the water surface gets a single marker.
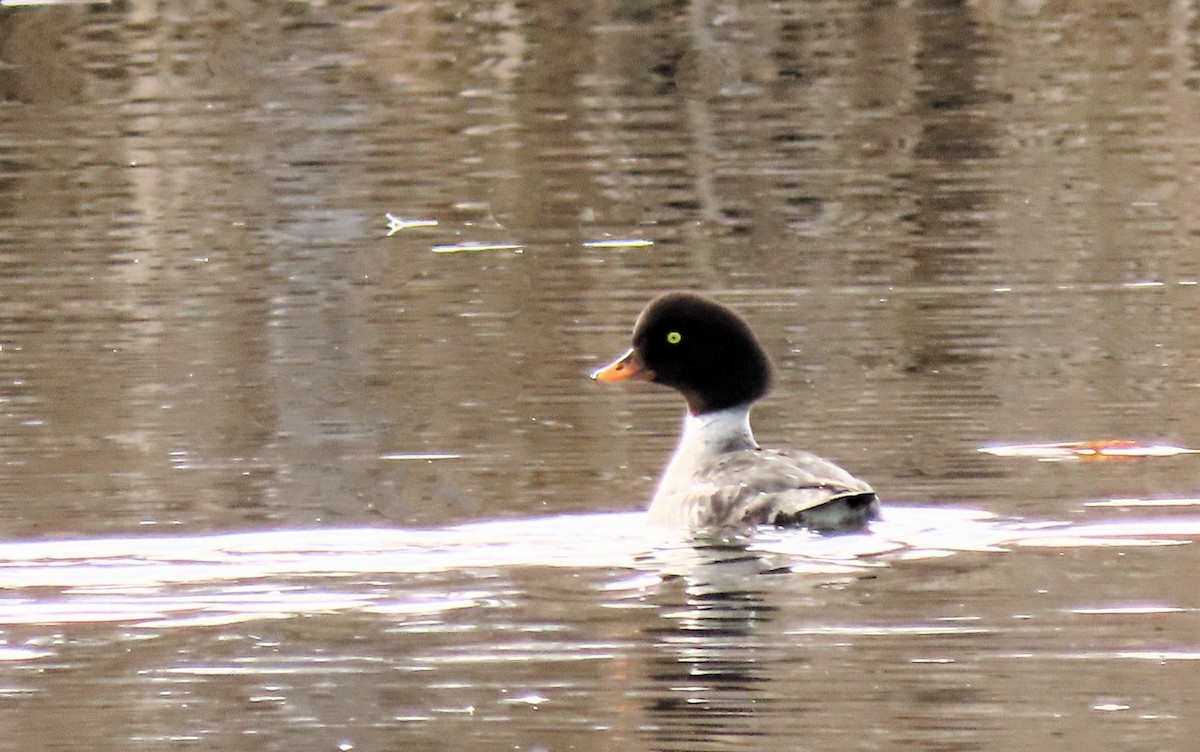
(272, 478)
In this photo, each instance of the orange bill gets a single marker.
(628, 367)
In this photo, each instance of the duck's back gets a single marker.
(760, 486)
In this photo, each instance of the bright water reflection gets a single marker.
(924, 628)
(211, 580)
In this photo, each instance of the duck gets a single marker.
(719, 477)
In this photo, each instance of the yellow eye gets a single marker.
(674, 337)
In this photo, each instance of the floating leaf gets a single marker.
(1101, 449)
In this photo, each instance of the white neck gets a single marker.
(703, 437)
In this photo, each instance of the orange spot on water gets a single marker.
(1096, 449)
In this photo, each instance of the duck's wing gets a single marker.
(792, 489)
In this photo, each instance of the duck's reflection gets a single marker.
(709, 670)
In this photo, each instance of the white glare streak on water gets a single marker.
(215, 579)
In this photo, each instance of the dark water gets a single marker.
(272, 478)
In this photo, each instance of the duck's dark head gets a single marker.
(697, 346)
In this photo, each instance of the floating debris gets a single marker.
(622, 243)
(418, 456)
(1087, 450)
(1128, 610)
(396, 224)
(478, 247)
(1188, 502)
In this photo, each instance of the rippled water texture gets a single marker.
(297, 303)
